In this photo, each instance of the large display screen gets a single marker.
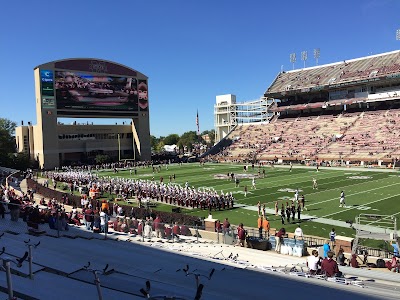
(84, 91)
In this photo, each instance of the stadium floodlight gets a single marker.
(398, 34)
(317, 53)
(304, 57)
(293, 58)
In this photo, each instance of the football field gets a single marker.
(369, 191)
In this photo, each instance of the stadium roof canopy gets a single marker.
(364, 70)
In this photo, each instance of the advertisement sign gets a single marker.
(47, 82)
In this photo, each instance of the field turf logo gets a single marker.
(238, 176)
(359, 177)
(289, 190)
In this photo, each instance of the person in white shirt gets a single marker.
(147, 230)
(313, 261)
(298, 232)
(103, 222)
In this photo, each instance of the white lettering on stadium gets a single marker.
(47, 79)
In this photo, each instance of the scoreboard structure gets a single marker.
(87, 88)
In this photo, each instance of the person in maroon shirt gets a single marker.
(226, 225)
(241, 235)
(176, 231)
(168, 231)
(157, 226)
(330, 267)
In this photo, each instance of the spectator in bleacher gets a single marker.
(147, 230)
(157, 226)
(226, 226)
(96, 221)
(241, 234)
(313, 262)
(394, 265)
(89, 217)
(327, 248)
(330, 267)
(340, 258)
(218, 226)
(168, 231)
(176, 231)
(353, 261)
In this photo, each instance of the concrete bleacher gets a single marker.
(326, 137)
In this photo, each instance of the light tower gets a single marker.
(293, 58)
(317, 53)
(398, 34)
(304, 57)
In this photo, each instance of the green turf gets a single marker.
(376, 192)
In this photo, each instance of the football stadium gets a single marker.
(309, 169)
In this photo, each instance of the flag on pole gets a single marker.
(197, 123)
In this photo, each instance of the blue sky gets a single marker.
(190, 50)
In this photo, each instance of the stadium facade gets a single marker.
(86, 88)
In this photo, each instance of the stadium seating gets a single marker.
(324, 137)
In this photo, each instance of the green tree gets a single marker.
(154, 142)
(171, 139)
(7, 142)
(188, 139)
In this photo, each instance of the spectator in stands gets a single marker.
(340, 258)
(104, 221)
(168, 231)
(226, 226)
(89, 217)
(96, 221)
(313, 262)
(279, 239)
(327, 248)
(157, 226)
(241, 235)
(218, 226)
(353, 261)
(394, 265)
(147, 230)
(330, 267)
(176, 231)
